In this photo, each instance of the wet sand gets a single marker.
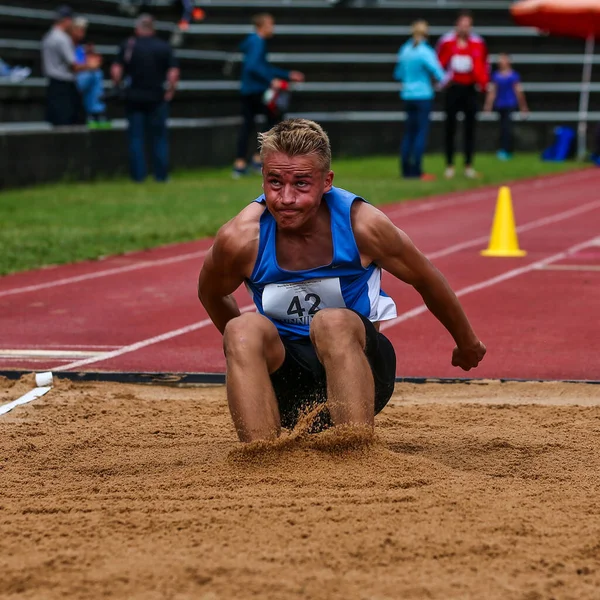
(486, 491)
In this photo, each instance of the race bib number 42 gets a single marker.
(297, 303)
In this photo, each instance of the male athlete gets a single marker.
(311, 256)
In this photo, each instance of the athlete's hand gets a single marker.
(296, 76)
(468, 358)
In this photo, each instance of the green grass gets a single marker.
(62, 223)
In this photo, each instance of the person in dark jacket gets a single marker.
(147, 64)
(258, 77)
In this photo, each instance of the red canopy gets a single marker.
(576, 18)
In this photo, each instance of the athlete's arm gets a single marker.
(380, 241)
(224, 270)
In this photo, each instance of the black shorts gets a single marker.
(300, 383)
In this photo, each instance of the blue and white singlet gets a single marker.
(290, 299)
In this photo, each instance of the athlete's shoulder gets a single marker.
(240, 235)
(365, 217)
(342, 195)
(373, 230)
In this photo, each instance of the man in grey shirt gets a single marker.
(63, 101)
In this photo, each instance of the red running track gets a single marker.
(538, 315)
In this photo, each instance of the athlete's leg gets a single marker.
(339, 338)
(253, 350)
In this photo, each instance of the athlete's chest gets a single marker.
(294, 254)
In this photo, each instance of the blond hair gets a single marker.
(420, 29)
(297, 137)
(259, 20)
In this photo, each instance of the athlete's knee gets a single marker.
(245, 333)
(336, 328)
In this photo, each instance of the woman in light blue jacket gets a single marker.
(417, 65)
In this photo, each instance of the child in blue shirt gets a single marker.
(90, 83)
(505, 96)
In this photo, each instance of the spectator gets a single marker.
(90, 83)
(417, 66)
(59, 66)
(505, 96)
(258, 76)
(189, 10)
(146, 63)
(464, 55)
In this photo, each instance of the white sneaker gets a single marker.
(449, 172)
(471, 173)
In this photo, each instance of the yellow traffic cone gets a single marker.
(503, 241)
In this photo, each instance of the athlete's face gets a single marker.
(294, 187)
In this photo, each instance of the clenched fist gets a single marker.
(468, 358)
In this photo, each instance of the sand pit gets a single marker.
(487, 491)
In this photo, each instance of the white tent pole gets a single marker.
(584, 99)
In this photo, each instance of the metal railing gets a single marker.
(319, 87)
(322, 117)
(318, 58)
(282, 30)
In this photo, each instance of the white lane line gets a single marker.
(144, 343)
(570, 268)
(66, 346)
(556, 218)
(106, 273)
(36, 353)
(411, 207)
(21, 359)
(419, 310)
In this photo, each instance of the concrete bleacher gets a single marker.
(347, 53)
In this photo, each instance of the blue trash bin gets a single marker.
(563, 145)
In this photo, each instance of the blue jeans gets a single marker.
(151, 118)
(90, 86)
(415, 136)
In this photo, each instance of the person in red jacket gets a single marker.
(464, 56)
